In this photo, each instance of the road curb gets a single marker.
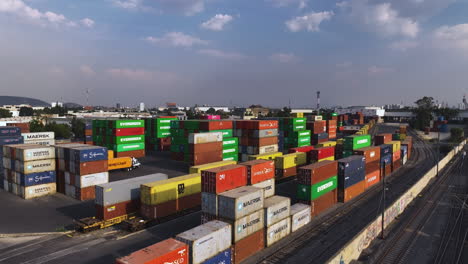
(34, 234)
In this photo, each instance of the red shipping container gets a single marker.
(259, 142)
(204, 158)
(317, 127)
(248, 246)
(206, 147)
(259, 170)
(317, 172)
(285, 173)
(382, 139)
(116, 210)
(370, 153)
(331, 125)
(222, 179)
(90, 167)
(301, 149)
(322, 203)
(159, 210)
(396, 155)
(372, 166)
(322, 153)
(85, 194)
(261, 124)
(396, 165)
(215, 124)
(386, 171)
(128, 131)
(345, 195)
(241, 124)
(189, 202)
(164, 252)
(372, 178)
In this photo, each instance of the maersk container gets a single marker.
(29, 167)
(247, 225)
(91, 179)
(224, 257)
(351, 170)
(89, 153)
(124, 190)
(276, 208)
(30, 153)
(35, 178)
(199, 138)
(8, 131)
(209, 203)
(36, 191)
(278, 231)
(300, 216)
(268, 187)
(207, 240)
(38, 136)
(240, 202)
(47, 142)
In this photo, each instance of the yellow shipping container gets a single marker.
(327, 144)
(110, 154)
(199, 168)
(119, 163)
(290, 160)
(329, 158)
(297, 114)
(171, 189)
(340, 141)
(266, 156)
(396, 145)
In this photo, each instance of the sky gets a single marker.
(234, 52)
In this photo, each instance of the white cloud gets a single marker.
(222, 54)
(87, 22)
(186, 7)
(177, 39)
(21, 9)
(403, 45)
(374, 70)
(284, 57)
(217, 22)
(381, 18)
(284, 3)
(309, 22)
(128, 4)
(87, 70)
(142, 75)
(452, 37)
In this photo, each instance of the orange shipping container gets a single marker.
(167, 251)
(345, 195)
(372, 178)
(119, 163)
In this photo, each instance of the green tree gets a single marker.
(26, 111)
(423, 111)
(447, 113)
(36, 126)
(61, 130)
(77, 127)
(457, 135)
(223, 114)
(5, 113)
(285, 112)
(211, 111)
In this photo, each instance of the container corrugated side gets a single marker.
(34, 153)
(171, 189)
(300, 216)
(276, 208)
(240, 202)
(207, 240)
(209, 203)
(200, 138)
(35, 166)
(268, 187)
(38, 136)
(167, 251)
(37, 190)
(247, 225)
(199, 168)
(91, 179)
(278, 231)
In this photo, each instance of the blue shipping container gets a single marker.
(7, 131)
(37, 178)
(89, 126)
(320, 136)
(89, 154)
(8, 140)
(224, 257)
(351, 170)
(385, 160)
(385, 149)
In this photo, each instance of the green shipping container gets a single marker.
(128, 147)
(310, 193)
(347, 153)
(231, 157)
(297, 127)
(191, 124)
(227, 133)
(305, 144)
(357, 142)
(129, 139)
(163, 127)
(175, 124)
(230, 151)
(163, 133)
(128, 123)
(303, 133)
(230, 142)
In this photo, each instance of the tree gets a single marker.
(285, 112)
(447, 113)
(36, 126)
(423, 112)
(5, 113)
(26, 111)
(77, 128)
(457, 135)
(60, 130)
(211, 111)
(223, 114)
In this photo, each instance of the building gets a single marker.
(365, 110)
(15, 109)
(142, 107)
(199, 109)
(54, 104)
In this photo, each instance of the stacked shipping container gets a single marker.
(293, 133)
(351, 177)
(319, 131)
(39, 138)
(372, 157)
(125, 137)
(354, 142)
(158, 133)
(258, 139)
(286, 165)
(8, 135)
(88, 133)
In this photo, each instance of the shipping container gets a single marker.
(261, 133)
(36, 190)
(204, 158)
(278, 231)
(224, 257)
(351, 170)
(321, 153)
(313, 192)
(268, 187)
(8, 131)
(372, 178)
(164, 252)
(304, 149)
(162, 191)
(119, 132)
(248, 246)
(215, 125)
(126, 123)
(159, 210)
(35, 166)
(199, 168)
(189, 202)
(240, 202)
(286, 173)
(370, 153)
(91, 167)
(381, 139)
(206, 241)
(357, 141)
(290, 160)
(276, 208)
(349, 193)
(200, 138)
(221, 179)
(300, 216)
(259, 170)
(29, 152)
(38, 136)
(88, 153)
(322, 203)
(206, 147)
(209, 203)
(317, 172)
(262, 150)
(396, 146)
(117, 209)
(119, 163)
(246, 226)
(266, 156)
(34, 178)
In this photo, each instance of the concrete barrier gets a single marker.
(353, 249)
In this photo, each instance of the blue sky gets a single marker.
(356, 52)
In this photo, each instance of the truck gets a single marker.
(124, 163)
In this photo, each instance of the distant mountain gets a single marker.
(17, 100)
(72, 105)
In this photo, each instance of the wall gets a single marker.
(353, 249)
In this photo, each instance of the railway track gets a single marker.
(320, 240)
(401, 243)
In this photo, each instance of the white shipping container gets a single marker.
(91, 179)
(199, 138)
(247, 225)
(268, 187)
(209, 203)
(38, 136)
(240, 202)
(47, 142)
(37, 190)
(276, 208)
(300, 216)
(34, 152)
(35, 166)
(207, 240)
(278, 231)
(262, 150)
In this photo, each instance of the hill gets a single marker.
(17, 100)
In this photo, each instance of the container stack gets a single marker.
(8, 135)
(167, 197)
(293, 133)
(158, 133)
(258, 139)
(39, 138)
(386, 159)
(331, 129)
(319, 131)
(317, 186)
(408, 145)
(322, 154)
(381, 139)
(29, 170)
(80, 168)
(199, 168)
(125, 137)
(23, 126)
(351, 177)
(343, 120)
(261, 174)
(372, 155)
(354, 142)
(286, 165)
(396, 154)
(230, 143)
(167, 251)
(88, 133)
